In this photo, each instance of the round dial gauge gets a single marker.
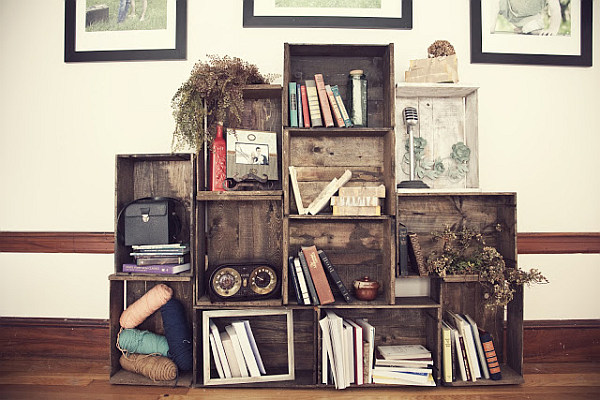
(263, 280)
(226, 282)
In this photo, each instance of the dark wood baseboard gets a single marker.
(87, 339)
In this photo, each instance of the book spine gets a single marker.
(339, 121)
(335, 277)
(313, 103)
(318, 275)
(416, 254)
(294, 279)
(402, 249)
(305, 110)
(463, 356)
(293, 100)
(324, 101)
(309, 282)
(490, 356)
(299, 105)
(342, 107)
(141, 260)
(306, 300)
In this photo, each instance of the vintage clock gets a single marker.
(243, 281)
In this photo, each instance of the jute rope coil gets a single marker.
(155, 367)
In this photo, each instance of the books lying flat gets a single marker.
(403, 352)
(167, 269)
(403, 376)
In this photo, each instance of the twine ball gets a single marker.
(142, 342)
(178, 334)
(157, 368)
(145, 306)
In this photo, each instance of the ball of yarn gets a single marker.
(178, 334)
(142, 342)
(145, 306)
(157, 368)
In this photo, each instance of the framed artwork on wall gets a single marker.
(542, 32)
(125, 30)
(378, 14)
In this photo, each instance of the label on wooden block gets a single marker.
(355, 201)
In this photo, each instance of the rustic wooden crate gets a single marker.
(303, 61)
(447, 115)
(124, 291)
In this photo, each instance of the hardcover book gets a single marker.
(402, 250)
(337, 114)
(294, 279)
(309, 281)
(415, 253)
(293, 104)
(490, 355)
(167, 269)
(305, 110)
(317, 274)
(313, 104)
(340, 103)
(335, 277)
(324, 101)
(299, 106)
(302, 283)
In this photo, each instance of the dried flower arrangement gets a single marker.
(440, 48)
(213, 91)
(459, 256)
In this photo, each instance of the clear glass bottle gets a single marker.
(357, 97)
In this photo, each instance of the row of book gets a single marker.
(468, 352)
(159, 259)
(316, 104)
(234, 351)
(311, 272)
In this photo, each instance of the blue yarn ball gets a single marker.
(178, 334)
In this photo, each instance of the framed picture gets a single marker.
(125, 30)
(544, 32)
(381, 14)
(252, 152)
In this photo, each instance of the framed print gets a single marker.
(380, 14)
(252, 152)
(544, 32)
(125, 30)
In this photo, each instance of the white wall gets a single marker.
(62, 124)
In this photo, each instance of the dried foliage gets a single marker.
(465, 252)
(440, 48)
(214, 90)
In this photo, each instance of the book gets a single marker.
(334, 276)
(446, 353)
(249, 357)
(490, 355)
(349, 355)
(161, 260)
(294, 279)
(314, 298)
(220, 349)
(369, 337)
(306, 299)
(293, 104)
(325, 195)
(299, 106)
(313, 104)
(237, 349)
(337, 115)
(358, 353)
(402, 250)
(215, 354)
(415, 254)
(327, 360)
(460, 363)
(257, 356)
(404, 363)
(403, 376)
(296, 190)
(336, 328)
(230, 354)
(404, 351)
(305, 109)
(323, 101)
(357, 210)
(317, 273)
(342, 107)
(478, 347)
(167, 269)
(469, 344)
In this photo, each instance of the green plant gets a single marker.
(465, 252)
(214, 91)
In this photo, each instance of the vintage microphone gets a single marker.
(411, 119)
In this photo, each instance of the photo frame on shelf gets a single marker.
(383, 14)
(252, 152)
(100, 30)
(500, 37)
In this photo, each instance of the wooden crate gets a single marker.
(447, 115)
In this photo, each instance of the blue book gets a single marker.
(293, 100)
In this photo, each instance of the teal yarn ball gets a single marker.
(143, 342)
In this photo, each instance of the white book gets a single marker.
(446, 352)
(358, 353)
(215, 353)
(478, 346)
(404, 351)
(465, 330)
(220, 349)
(336, 328)
(455, 334)
(403, 378)
(240, 329)
(349, 360)
(329, 190)
(237, 348)
(230, 354)
(327, 353)
(254, 347)
(369, 337)
(403, 363)
(302, 281)
(296, 190)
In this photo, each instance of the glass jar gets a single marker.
(357, 97)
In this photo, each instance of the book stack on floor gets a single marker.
(313, 275)
(159, 259)
(234, 351)
(358, 200)
(347, 350)
(467, 352)
(403, 365)
(316, 104)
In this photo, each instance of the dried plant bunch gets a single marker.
(465, 252)
(213, 91)
(440, 48)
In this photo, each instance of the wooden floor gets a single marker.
(68, 379)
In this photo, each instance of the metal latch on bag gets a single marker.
(145, 214)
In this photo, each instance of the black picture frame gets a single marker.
(178, 53)
(584, 58)
(252, 21)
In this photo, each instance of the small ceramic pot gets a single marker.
(365, 289)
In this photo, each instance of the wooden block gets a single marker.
(361, 201)
(357, 210)
(373, 191)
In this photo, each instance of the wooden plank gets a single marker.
(57, 242)
(558, 242)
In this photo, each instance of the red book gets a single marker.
(324, 101)
(305, 112)
(317, 273)
(218, 157)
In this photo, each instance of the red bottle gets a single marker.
(218, 156)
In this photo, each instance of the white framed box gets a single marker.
(446, 136)
(263, 370)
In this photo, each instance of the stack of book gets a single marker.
(358, 200)
(316, 104)
(467, 352)
(311, 273)
(404, 365)
(159, 259)
(347, 351)
(234, 351)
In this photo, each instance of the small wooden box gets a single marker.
(447, 116)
